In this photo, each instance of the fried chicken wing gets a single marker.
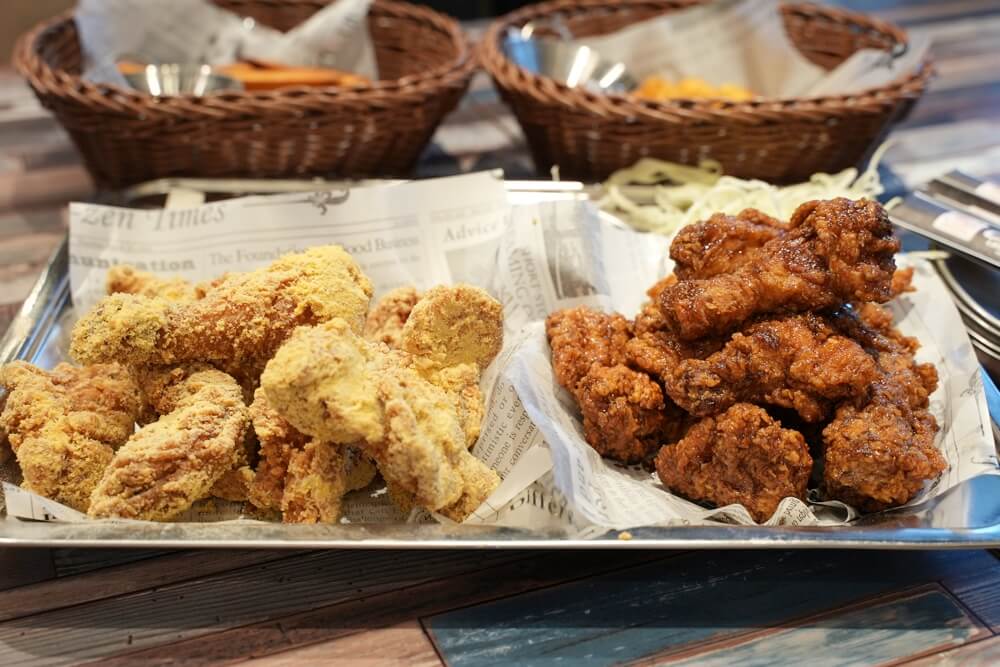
(240, 322)
(835, 251)
(64, 425)
(335, 386)
(796, 362)
(169, 464)
(386, 318)
(722, 244)
(740, 456)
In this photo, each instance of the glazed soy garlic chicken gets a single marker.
(766, 334)
(260, 387)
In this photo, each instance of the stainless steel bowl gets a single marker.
(171, 79)
(575, 66)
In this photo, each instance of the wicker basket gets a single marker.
(424, 60)
(590, 135)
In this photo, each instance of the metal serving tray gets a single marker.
(967, 516)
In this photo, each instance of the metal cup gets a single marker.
(172, 79)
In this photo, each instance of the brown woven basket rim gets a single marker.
(509, 75)
(30, 65)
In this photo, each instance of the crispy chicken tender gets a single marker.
(335, 386)
(722, 244)
(176, 460)
(741, 456)
(835, 251)
(879, 447)
(64, 425)
(244, 319)
(796, 362)
(386, 318)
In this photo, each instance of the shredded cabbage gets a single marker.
(695, 193)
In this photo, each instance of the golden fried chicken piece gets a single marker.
(301, 476)
(233, 485)
(64, 425)
(722, 244)
(740, 456)
(624, 414)
(315, 484)
(335, 386)
(835, 251)
(583, 337)
(453, 325)
(453, 334)
(796, 362)
(176, 460)
(278, 441)
(879, 447)
(239, 323)
(125, 279)
(386, 318)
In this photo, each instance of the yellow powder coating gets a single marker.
(332, 384)
(315, 484)
(171, 463)
(64, 425)
(323, 381)
(125, 279)
(238, 324)
(387, 317)
(454, 325)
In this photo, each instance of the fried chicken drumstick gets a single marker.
(835, 251)
(64, 425)
(169, 464)
(241, 321)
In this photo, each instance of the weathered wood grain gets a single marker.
(178, 612)
(70, 562)
(529, 571)
(873, 632)
(152, 570)
(985, 653)
(403, 644)
(20, 567)
(697, 598)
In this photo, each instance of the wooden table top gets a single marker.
(70, 606)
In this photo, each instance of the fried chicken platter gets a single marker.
(283, 388)
(764, 367)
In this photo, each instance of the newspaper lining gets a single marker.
(195, 31)
(535, 258)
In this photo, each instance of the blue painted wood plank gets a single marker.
(921, 622)
(693, 599)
